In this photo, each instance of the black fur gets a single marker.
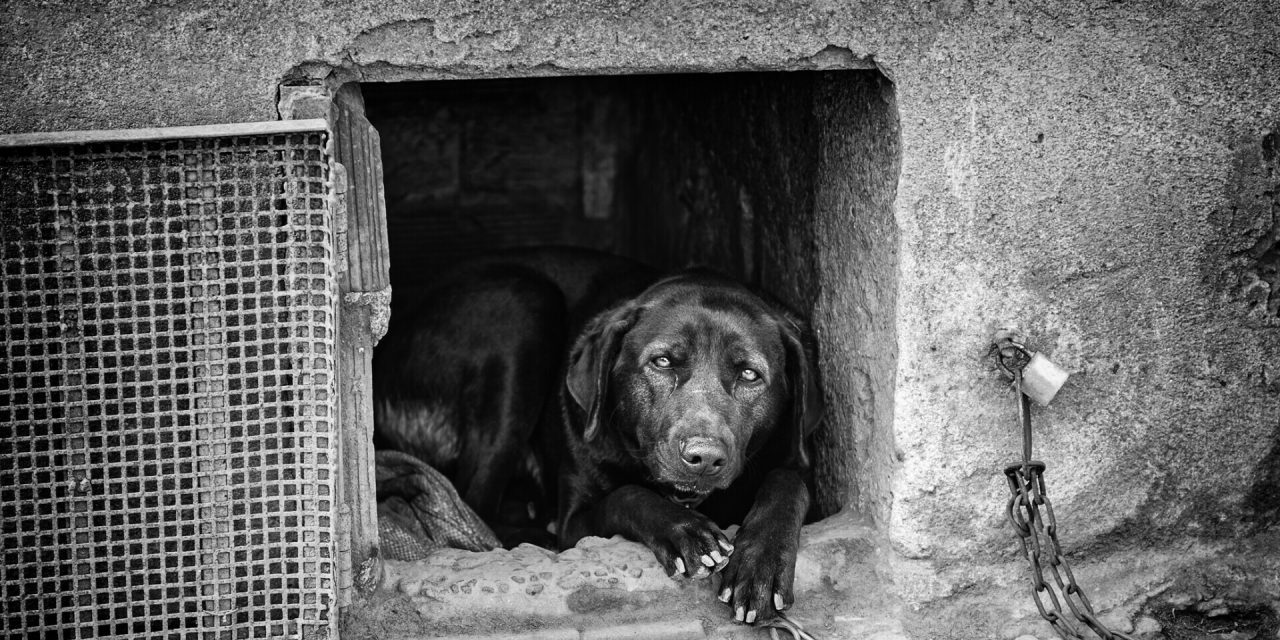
(683, 405)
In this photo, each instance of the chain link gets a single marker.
(1031, 515)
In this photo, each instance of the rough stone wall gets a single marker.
(1102, 174)
(1101, 186)
(856, 241)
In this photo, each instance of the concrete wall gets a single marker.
(1102, 174)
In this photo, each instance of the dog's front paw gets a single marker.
(756, 583)
(691, 545)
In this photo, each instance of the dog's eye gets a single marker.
(662, 362)
(749, 375)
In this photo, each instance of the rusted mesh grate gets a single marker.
(166, 389)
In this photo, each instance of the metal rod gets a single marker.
(45, 138)
(1024, 416)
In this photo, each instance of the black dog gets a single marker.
(683, 392)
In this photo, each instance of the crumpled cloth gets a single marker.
(419, 511)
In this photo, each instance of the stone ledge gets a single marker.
(529, 580)
(546, 634)
(669, 630)
(662, 630)
(612, 588)
(609, 575)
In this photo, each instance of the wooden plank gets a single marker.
(370, 252)
(351, 159)
(379, 214)
(359, 261)
(358, 149)
(45, 138)
(355, 379)
(364, 296)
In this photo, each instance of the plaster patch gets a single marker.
(506, 41)
(379, 303)
(1261, 283)
(405, 43)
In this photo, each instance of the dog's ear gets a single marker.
(804, 383)
(592, 358)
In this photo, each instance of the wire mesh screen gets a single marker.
(167, 398)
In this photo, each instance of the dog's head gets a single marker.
(693, 376)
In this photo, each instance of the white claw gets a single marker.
(679, 565)
(724, 595)
(715, 555)
(728, 548)
(751, 617)
(738, 615)
(777, 602)
(706, 560)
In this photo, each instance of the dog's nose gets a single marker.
(704, 456)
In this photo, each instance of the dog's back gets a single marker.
(466, 377)
(588, 280)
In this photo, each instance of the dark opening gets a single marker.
(784, 180)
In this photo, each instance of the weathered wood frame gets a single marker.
(365, 287)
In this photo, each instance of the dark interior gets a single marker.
(671, 170)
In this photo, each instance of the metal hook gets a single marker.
(1010, 356)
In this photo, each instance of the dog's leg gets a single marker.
(506, 411)
(515, 353)
(757, 582)
(684, 541)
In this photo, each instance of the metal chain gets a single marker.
(1031, 514)
(790, 626)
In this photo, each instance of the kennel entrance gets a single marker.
(785, 180)
(782, 179)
